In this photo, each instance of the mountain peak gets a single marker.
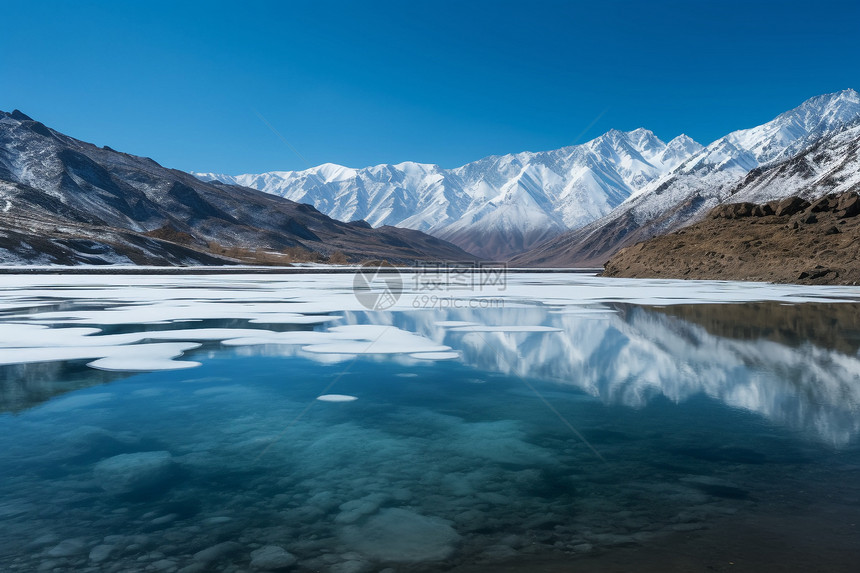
(685, 142)
(825, 111)
(848, 94)
(640, 138)
(641, 132)
(20, 115)
(683, 138)
(635, 133)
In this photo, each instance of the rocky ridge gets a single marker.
(790, 240)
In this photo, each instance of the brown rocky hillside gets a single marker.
(786, 241)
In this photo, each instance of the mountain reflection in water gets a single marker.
(796, 365)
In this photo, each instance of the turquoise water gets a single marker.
(622, 427)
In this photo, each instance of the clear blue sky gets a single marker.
(361, 83)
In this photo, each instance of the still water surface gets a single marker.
(581, 420)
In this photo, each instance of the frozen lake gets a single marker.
(555, 422)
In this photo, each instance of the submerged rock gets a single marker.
(401, 535)
(272, 558)
(216, 552)
(68, 548)
(354, 510)
(100, 552)
(351, 566)
(134, 473)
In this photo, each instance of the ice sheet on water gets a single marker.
(13, 335)
(349, 340)
(436, 355)
(150, 298)
(147, 357)
(515, 339)
(374, 339)
(586, 312)
(505, 328)
(177, 311)
(136, 358)
(337, 398)
(26, 343)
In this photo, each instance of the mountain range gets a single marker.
(65, 201)
(494, 207)
(577, 205)
(810, 150)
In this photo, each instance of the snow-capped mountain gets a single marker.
(493, 207)
(831, 165)
(712, 176)
(65, 201)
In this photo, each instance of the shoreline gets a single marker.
(238, 270)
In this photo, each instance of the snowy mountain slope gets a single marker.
(495, 206)
(706, 179)
(832, 165)
(66, 201)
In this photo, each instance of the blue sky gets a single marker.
(194, 84)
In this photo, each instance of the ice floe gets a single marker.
(141, 357)
(505, 328)
(349, 340)
(336, 398)
(435, 355)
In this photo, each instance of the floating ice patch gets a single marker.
(336, 398)
(288, 338)
(509, 328)
(179, 311)
(435, 355)
(293, 319)
(586, 312)
(27, 335)
(375, 339)
(16, 335)
(349, 340)
(146, 358)
(28, 343)
(138, 358)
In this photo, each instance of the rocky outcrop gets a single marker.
(787, 240)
